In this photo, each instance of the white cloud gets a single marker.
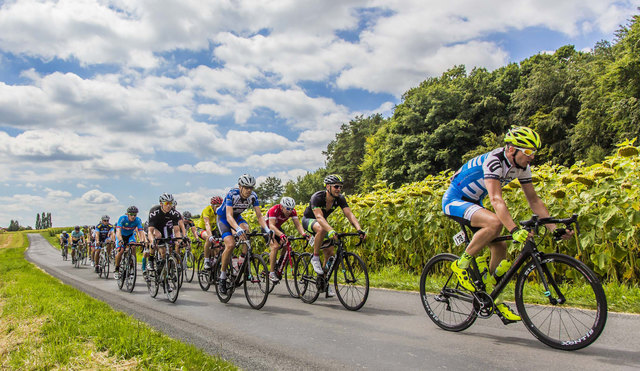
(52, 193)
(206, 167)
(95, 196)
(309, 159)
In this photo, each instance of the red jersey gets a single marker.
(275, 213)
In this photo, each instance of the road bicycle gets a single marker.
(251, 272)
(285, 265)
(128, 266)
(103, 262)
(350, 276)
(165, 273)
(560, 300)
(188, 262)
(80, 254)
(208, 277)
(64, 248)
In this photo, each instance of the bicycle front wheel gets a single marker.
(306, 279)
(289, 277)
(190, 266)
(203, 275)
(132, 273)
(448, 304)
(351, 280)
(256, 282)
(172, 281)
(572, 314)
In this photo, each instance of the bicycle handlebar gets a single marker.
(535, 222)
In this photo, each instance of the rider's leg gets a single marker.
(490, 227)
(275, 246)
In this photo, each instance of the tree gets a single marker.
(38, 225)
(270, 190)
(304, 186)
(13, 226)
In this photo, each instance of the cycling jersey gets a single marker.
(77, 235)
(276, 214)
(319, 200)
(210, 213)
(64, 237)
(162, 221)
(467, 190)
(103, 231)
(127, 227)
(238, 203)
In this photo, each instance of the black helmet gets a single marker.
(187, 215)
(77, 227)
(132, 210)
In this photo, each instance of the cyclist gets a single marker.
(164, 222)
(487, 174)
(77, 238)
(189, 225)
(276, 216)
(128, 229)
(91, 238)
(103, 235)
(206, 228)
(230, 220)
(64, 240)
(314, 219)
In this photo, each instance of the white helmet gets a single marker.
(247, 180)
(166, 197)
(288, 202)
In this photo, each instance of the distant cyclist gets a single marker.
(276, 216)
(77, 239)
(164, 222)
(64, 240)
(104, 234)
(206, 228)
(128, 229)
(314, 219)
(487, 174)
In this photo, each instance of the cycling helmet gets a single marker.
(186, 215)
(105, 217)
(247, 180)
(522, 136)
(132, 210)
(77, 227)
(216, 200)
(288, 202)
(332, 179)
(86, 227)
(166, 197)
(64, 232)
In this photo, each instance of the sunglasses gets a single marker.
(167, 203)
(526, 151)
(289, 208)
(131, 214)
(337, 186)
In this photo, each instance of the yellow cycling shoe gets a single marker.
(506, 315)
(463, 277)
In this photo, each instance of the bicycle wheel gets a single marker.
(132, 272)
(447, 304)
(256, 282)
(189, 266)
(105, 268)
(231, 278)
(152, 283)
(289, 277)
(172, 281)
(575, 312)
(306, 279)
(203, 275)
(122, 273)
(351, 280)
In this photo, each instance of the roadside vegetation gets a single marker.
(45, 324)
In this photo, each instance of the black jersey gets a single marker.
(162, 221)
(319, 200)
(103, 231)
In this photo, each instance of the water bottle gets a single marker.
(501, 269)
(234, 263)
(483, 268)
(329, 263)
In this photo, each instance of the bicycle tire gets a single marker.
(569, 325)
(132, 273)
(172, 280)
(122, 274)
(152, 283)
(107, 263)
(190, 266)
(306, 279)
(231, 277)
(447, 304)
(351, 281)
(289, 277)
(179, 269)
(256, 282)
(203, 275)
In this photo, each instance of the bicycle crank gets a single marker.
(483, 304)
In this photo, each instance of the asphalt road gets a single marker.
(391, 331)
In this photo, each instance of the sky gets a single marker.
(109, 103)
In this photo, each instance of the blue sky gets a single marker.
(106, 104)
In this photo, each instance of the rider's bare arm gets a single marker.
(494, 189)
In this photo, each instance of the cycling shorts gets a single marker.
(224, 227)
(307, 224)
(456, 206)
(99, 243)
(126, 240)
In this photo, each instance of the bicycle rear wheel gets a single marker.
(351, 280)
(256, 282)
(231, 279)
(447, 304)
(203, 275)
(132, 272)
(172, 281)
(306, 279)
(105, 267)
(189, 265)
(289, 277)
(152, 283)
(179, 267)
(573, 314)
(122, 273)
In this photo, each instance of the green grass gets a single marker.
(45, 324)
(620, 298)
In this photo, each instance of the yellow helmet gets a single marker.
(522, 136)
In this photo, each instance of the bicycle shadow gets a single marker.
(270, 310)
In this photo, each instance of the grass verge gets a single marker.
(45, 324)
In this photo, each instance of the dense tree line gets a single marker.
(581, 103)
(43, 222)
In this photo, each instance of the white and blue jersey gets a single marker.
(467, 190)
(238, 203)
(128, 227)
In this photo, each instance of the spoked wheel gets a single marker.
(231, 277)
(352, 281)
(189, 266)
(180, 271)
(256, 283)
(105, 266)
(152, 283)
(447, 303)
(289, 277)
(306, 279)
(203, 275)
(132, 273)
(122, 274)
(172, 281)
(573, 314)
